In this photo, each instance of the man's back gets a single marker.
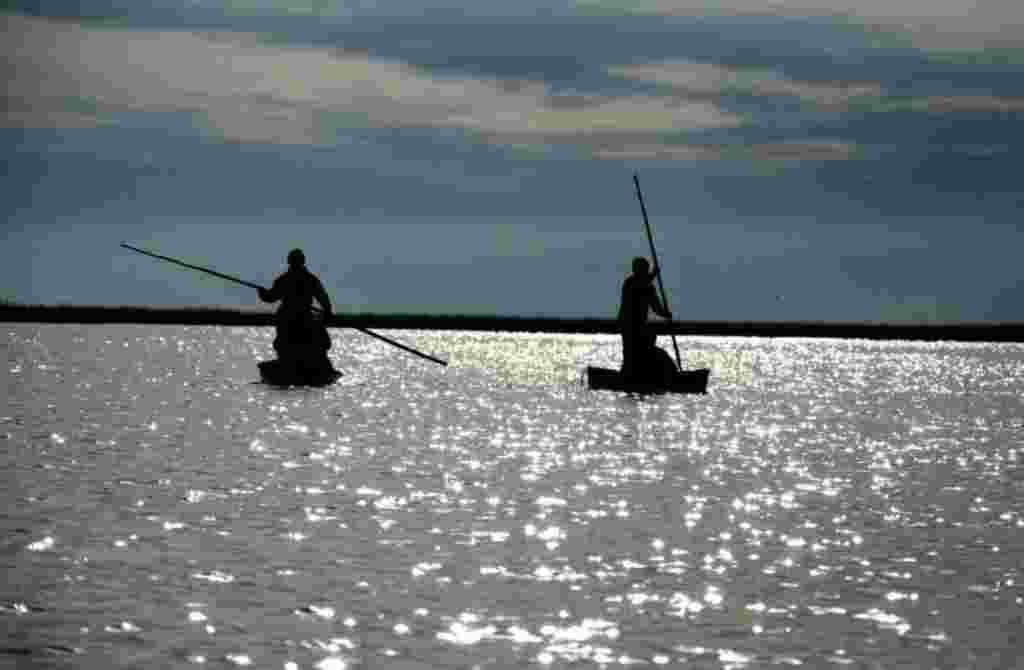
(637, 297)
(296, 289)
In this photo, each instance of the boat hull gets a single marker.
(687, 381)
(276, 373)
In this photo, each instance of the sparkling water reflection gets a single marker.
(828, 504)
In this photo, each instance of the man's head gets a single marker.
(296, 259)
(640, 267)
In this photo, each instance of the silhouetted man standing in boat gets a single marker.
(640, 362)
(301, 336)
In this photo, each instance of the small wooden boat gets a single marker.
(687, 381)
(278, 374)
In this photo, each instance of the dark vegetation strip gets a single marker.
(200, 316)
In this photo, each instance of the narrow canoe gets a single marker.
(687, 381)
(275, 373)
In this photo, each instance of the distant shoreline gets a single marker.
(200, 316)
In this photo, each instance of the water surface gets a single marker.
(829, 503)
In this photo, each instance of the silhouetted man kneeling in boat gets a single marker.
(642, 361)
(302, 338)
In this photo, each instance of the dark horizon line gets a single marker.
(220, 316)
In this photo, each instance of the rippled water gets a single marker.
(828, 504)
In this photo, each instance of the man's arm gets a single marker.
(322, 297)
(658, 308)
(273, 294)
(656, 305)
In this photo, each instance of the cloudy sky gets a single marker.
(800, 159)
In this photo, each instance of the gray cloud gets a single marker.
(709, 80)
(936, 24)
(801, 150)
(970, 103)
(247, 90)
(693, 78)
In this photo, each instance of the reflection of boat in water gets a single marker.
(277, 373)
(687, 381)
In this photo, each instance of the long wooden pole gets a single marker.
(654, 257)
(194, 267)
(257, 286)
